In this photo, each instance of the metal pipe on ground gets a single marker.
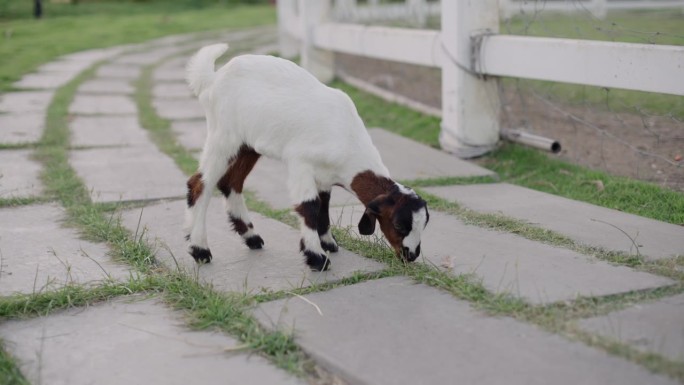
(536, 141)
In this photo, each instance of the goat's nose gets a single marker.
(408, 255)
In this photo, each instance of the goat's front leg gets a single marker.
(303, 189)
(328, 242)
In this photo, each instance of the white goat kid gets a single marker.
(262, 105)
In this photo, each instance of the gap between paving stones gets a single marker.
(180, 291)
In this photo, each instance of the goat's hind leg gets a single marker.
(328, 242)
(231, 185)
(213, 165)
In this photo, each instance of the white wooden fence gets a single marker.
(417, 11)
(471, 55)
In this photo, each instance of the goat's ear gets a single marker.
(367, 222)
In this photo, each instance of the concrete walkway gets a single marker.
(382, 331)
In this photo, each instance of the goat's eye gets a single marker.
(401, 229)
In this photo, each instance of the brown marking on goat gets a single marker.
(309, 211)
(240, 166)
(368, 186)
(381, 193)
(195, 188)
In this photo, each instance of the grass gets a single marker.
(9, 369)
(28, 43)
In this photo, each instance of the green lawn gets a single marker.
(26, 43)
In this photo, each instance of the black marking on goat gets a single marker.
(317, 262)
(254, 242)
(329, 247)
(239, 225)
(195, 188)
(187, 237)
(323, 212)
(309, 211)
(200, 255)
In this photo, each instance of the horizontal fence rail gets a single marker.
(642, 67)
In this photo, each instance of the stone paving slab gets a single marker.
(407, 159)
(39, 253)
(128, 174)
(25, 102)
(21, 128)
(94, 55)
(90, 131)
(179, 109)
(19, 175)
(278, 266)
(66, 65)
(392, 331)
(131, 341)
(147, 57)
(119, 71)
(507, 263)
(106, 86)
(102, 104)
(172, 91)
(165, 74)
(656, 327)
(190, 133)
(580, 221)
(45, 80)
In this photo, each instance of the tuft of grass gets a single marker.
(451, 181)
(23, 201)
(230, 313)
(9, 369)
(533, 169)
(21, 306)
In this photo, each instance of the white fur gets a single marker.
(412, 240)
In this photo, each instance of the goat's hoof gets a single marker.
(330, 247)
(317, 262)
(200, 255)
(254, 242)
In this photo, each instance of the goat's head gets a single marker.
(402, 215)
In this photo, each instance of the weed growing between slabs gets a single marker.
(9, 369)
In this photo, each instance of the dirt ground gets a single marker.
(620, 143)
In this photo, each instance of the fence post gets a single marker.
(288, 45)
(319, 62)
(470, 104)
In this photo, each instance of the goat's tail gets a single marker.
(200, 70)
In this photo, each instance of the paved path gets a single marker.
(382, 331)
